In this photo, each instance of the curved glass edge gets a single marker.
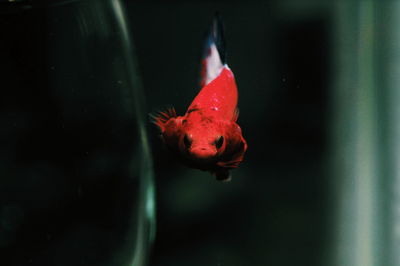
(145, 233)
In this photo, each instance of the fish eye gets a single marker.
(187, 141)
(219, 141)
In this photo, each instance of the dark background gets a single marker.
(73, 166)
(70, 185)
(274, 212)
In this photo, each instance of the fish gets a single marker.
(207, 136)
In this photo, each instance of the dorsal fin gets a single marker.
(214, 57)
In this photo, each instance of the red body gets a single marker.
(219, 97)
(207, 137)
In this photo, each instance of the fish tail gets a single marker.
(214, 55)
(217, 35)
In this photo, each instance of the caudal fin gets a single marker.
(214, 57)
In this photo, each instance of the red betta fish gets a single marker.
(207, 137)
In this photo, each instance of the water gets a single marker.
(318, 98)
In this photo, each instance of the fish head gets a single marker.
(195, 137)
(202, 143)
(205, 141)
(217, 142)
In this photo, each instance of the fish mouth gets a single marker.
(203, 154)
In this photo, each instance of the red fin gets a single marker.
(162, 117)
(235, 148)
(231, 164)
